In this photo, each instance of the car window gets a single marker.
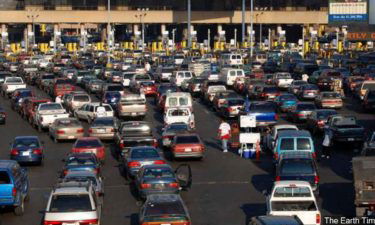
(144, 153)
(70, 203)
(187, 140)
(178, 112)
(26, 142)
(287, 144)
(88, 144)
(81, 98)
(303, 144)
(4, 177)
(158, 173)
(75, 161)
(232, 73)
(68, 123)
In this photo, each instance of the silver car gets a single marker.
(104, 128)
(73, 203)
(66, 129)
(86, 176)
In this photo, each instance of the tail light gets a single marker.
(14, 152)
(52, 223)
(320, 123)
(60, 132)
(167, 137)
(89, 222)
(14, 192)
(65, 172)
(229, 109)
(316, 179)
(277, 178)
(37, 151)
(300, 115)
(90, 130)
(276, 117)
(122, 145)
(317, 218)
(276, 156)
(134, 164)
(145, 186)
(81, 130)
(174, 185)
(159, 162)
(112, 130)
(313, 155)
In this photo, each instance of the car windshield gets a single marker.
(293, 206)
(81, 98)
(296, 167)
(26, 142)
(144, 153)
(88, 144)
(158, 173)
(103, 122)
(78, 161)
(292, 191)
(306, 107)
(69, 123)
(187, 139)
(52, 106)
(70, 203)
(325, 114)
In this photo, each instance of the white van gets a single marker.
(180, 76)
(178, 99)
(230, 75)
(294, 198)
(232, 59)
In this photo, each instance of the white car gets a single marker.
(180, 76)
(270, 139)
(294, 198)
(91, 111)
(283, 80)
(179, 115)
(11, 84)
(73, 203)
(47, 113)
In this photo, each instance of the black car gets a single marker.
(3, 115)
(369, 100)
(318, 119)
(298, 166)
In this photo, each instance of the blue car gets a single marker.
(27, 149)
(112, 98)
(18, 96)
(263, 111)
(14, 186)
(286, 102)
(81, 162)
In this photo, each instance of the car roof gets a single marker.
(72, 188)
(294, 133)
(285, 126)
(26, 137)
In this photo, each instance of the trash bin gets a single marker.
(248, 153)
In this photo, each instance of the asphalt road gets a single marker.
(226, 189)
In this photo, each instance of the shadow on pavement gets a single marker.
(262, 182)
(134, 219)
(337, 198)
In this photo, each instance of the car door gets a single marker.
(184, 176)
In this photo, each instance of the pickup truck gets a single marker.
(14, 186)
(11, 84)
(131, 105)
(132, 134)
(264, 112)
(283, 80)
(47, 113)
(364, 185)
(179, 115)
(344, 129)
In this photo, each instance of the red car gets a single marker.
(90, 145)
(187, 146)
(62, 86)
(28, 109)
(149, 88)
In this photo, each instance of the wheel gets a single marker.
(19, 210)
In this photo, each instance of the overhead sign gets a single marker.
(348, 11)
(361, 36)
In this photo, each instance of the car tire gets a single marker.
(19, 210)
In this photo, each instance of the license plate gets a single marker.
(71, 137)
(147, 163)
(27, 153)
(310, 94)
(350, 139)
(101, 131)
(159, 186)
(134, 114)
(188, 150)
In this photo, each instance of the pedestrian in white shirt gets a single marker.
(305, 77)
(224, 134)
(58, 99)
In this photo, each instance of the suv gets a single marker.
(14, 186)
(73, 203)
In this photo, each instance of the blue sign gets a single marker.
(348, 18)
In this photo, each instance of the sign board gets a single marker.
(348, 11)
(360, 36)
(247, 121)
(249, 138)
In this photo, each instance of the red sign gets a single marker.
(361, 36)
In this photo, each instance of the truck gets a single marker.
(283, 80)
(263, 111)
(132, 105)
(344, 129)
(11, 84)
(364, 185)
(47, 113)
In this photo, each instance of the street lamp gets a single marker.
(251, 28)
(33, 14)
(260, 27)
(141, 15)
(243, 20)
(173, 38)
(189, 23)
(109, 32)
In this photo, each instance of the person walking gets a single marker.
(224, 134)
(326, 153)
(58, 99)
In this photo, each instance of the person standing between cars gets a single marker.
(326, 153)
(305, 77)
(224, 134)
(58, 99)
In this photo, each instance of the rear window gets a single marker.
(81, 98)
(26, 142)
(158, 173)
(187, 140)
(177, 127)
(69, 123)
(293, 206)
(14, 80)
(288, 97)
(178, 101)
(115, 88)
(144, 153)
(369, 86)
(303, 144)
(165, 208)
(106, 107)
(178, 112)
(4, 178)
(262, 107)
(70, 203)
(325, 114)
(271, 89)
(100, 122)
(306, 107)
(142, 77)
(296, 167)
(48, 77)
(236, 102)
(88, 144)
(75, 161)
(331, 95)
(292, 191)
(287, 144)
(51, 107)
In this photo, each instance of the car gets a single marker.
(318, 119)
(329, 99)
(263, 111)
(164, 88)
(368, 148)
(302, 111)
(148, 87)
(295, 85)
(30, 106)
(286, 102)
(131, 105)
(94, 86)
(232, 107)
(112, 98)
(73, 203)
(369, 100)
(179, 115)
(160, 179)
(86, 176)
(18, 96)
(308, 92)
(66, 129)
(188, 146)
(14, 186)
(345, 129)
(220, 98)
(80, 162)
(164, 209)
(47, 113)
(141, 156)
(27, 149)
(298, 166)
(270, 139)
(90, 145)
(91, 111)
(3, 115)
(77, 100)
(294, 198)
(104, 128)
(171, 130)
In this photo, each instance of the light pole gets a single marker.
(243, 20)
(33, 14)
(189, 23)
(209, 39)
(251, 28)
(109, 32)
(260, 26)
(173, 38)
(235, 38)
(142, 14)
